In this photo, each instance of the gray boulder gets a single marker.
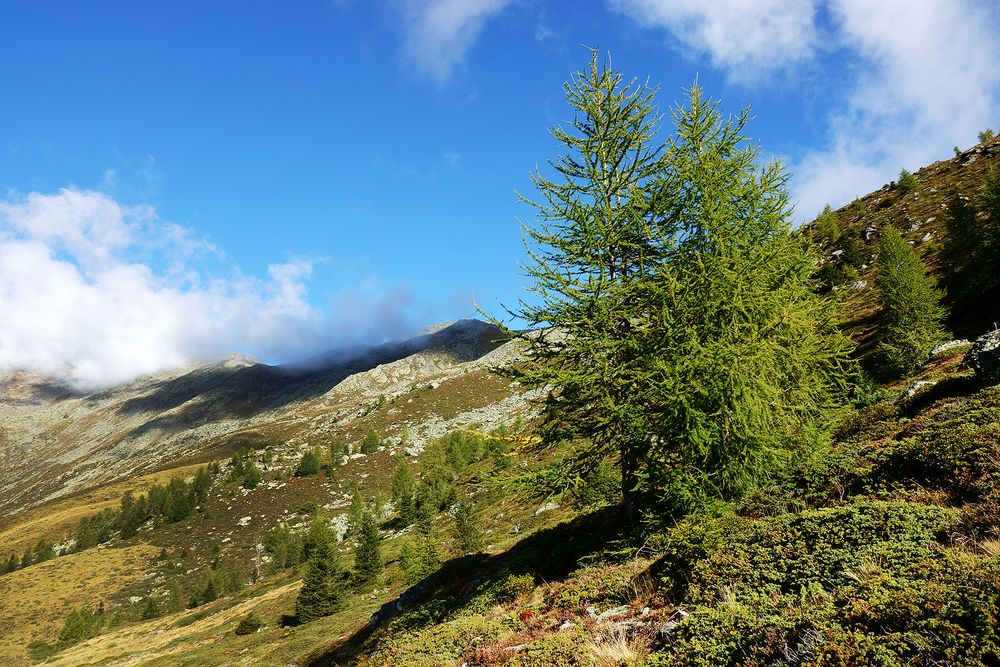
(984, 356)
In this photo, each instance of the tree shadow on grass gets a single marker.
(549, 554)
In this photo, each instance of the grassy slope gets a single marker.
(881, 548)
(34, 601)
(474, 611)
(918, 213)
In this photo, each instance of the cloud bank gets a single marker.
(921, 77)
(97, 293)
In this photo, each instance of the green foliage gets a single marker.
(907, 181)
(859, 207)
(309, 464)
(325, 586)
(971, 251)
(200, 485)
(13, 562)
(150, 610)
(865, 583)
(442, 644)
(249, 624)
(368, 555)
(468, 527)
(826, 228)
(404, 487)
(910, 311)
(43, 551)
(222, 578)
(513, 586)
(320, 533)
(371, 443)
(600, 486)
(284, 547)
(986, 135)
(252, 477)
(81, 624)
(355, 512)
(336, 451)
(243, 467)
(95, 529)
(419, 557)
(690, 344)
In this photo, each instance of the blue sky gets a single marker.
(182, 179)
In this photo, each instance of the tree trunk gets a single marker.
(629, 481)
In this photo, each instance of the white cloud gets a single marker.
(745, 37)
(928, 81)
(440, 32)
(920, 77)
(85, 295)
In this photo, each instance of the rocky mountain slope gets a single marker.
(54, 443)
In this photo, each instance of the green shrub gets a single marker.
(513, 586)
(309, 464)
(565, 648)
(371, 443)
(601, 486)
(907, 181)
(249, 624)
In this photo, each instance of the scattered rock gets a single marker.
(668, 628)
(592, 612)
(914, 389)
(547, 507)
(984, 356)
(628, 627)
(950, 345)
(245, 521)
(614, 612)
(859, 284)
(567, 625)
(869, 232)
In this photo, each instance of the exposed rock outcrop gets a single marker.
(984, 356)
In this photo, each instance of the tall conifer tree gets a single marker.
(911, 313)
(680, 327)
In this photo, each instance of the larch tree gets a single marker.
(738, 353)
(595, 234)
(325, 586)
(910, 312)
(368, 555)
(673, 311)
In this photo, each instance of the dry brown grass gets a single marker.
(615, 649)
(56, 520)
(151, 641)
(35, 601)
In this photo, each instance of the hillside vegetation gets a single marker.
(653, 476)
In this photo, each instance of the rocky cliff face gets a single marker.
(54, 442)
